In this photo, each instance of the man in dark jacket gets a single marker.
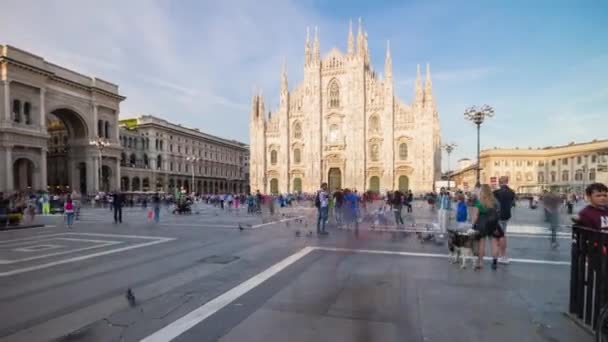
(119, 200)
(595, 214)
(505, 197)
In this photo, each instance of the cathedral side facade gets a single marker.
(344, 125)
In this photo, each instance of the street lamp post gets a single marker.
(100, 143)
(477, 115)
(192, 160)
(448, 149)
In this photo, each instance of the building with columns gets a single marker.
(50, 118)
(162, 156)
(344, 125)
(563, 168)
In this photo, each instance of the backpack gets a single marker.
(69, 206)
(461, 212)
(317, 200)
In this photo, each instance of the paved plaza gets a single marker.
(200, 278)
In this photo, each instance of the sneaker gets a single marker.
(504, 260)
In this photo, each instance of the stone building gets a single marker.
(163, 156)
(344, 125)
(50, 120)
(563, 168)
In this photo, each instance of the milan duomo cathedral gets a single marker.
(343, 125)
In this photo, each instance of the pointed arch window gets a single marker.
(334, 94)
(374, 124)
(297, 157)
(403, 151)
(297, 130)
(273, 157)
(374, 152)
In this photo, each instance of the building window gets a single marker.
(565, 175)
(541, 163)
(100, 128)
(579, 159)
(553, 176)
(578, 175)
(273, 157)
(529, 176)
(186, 167)
(593, 158)
(592, 174)
(506, 163)
(518, 163)
(159, 162)
(146, 162)
(132, 160)
(17, 110)
(334, 94)
(518, 176)
(171, 148)
(297, 130)
(171, 166)
(565, 162)
(496, 163)
(179, 167)
(374, 152)
(530, 163)
(374, 124)
(553, 162)
(156, 144)
(123, 159)
(107, 130)
(179, 149)
(296, 156)
(541, 177)
(27, 113)
(402, 151)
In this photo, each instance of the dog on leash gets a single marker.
(461, 245)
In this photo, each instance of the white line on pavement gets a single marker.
(434, 255)
(273, 222)
(70, 251)
(88, 256)
(188, 321)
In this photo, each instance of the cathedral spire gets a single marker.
(261, 108)
(418, 94)
(366, 49)
(284, 86)
(316, 53)
(307, 47)
(360, 48)
(428, 87)
(351, 39)
(388, 62)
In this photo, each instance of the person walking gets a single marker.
(68, 209)
(119, 199)
(397, 204)
(551, 202)
(505, 197)
(156, 207)
(322, 204)
(338, 208)
(485, 218)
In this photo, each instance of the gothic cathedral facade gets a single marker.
(344, 125)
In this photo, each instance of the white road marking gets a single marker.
(37, 248)
(155, 240)
(273, 222)
(188, 321)
(435, 255)
(98, 244)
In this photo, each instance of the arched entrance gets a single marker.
(65, 128)
(335, 179)
(145, 184)
(135, 184)
(124, 184)
(106, 176)
(374, 184)
(297, 184)
(23, 174)
(274, 186)
(404, 183)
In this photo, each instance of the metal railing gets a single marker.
(588, 275)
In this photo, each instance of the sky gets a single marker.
(542, 65)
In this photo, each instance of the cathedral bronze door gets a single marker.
(335, 179)
(404, 183)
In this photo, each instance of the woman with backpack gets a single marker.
(68, 209)
(485, 219)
